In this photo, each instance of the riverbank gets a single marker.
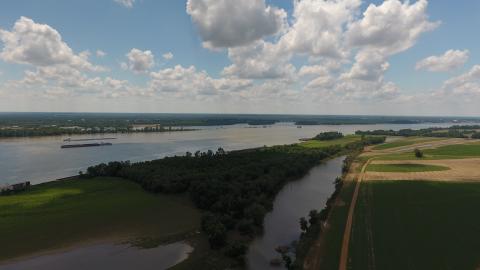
(48, 132)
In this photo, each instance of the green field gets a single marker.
(63, 213)
(403, 142)
(405, 167)
(454, 151)
(416, 225)
(463, 150)
(343, 141)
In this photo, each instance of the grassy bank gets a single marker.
(416, 225)
(333, 234)
(342, 142)
(63, 213)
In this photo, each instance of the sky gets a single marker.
(389, 57)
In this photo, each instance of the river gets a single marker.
(295, 200)
(41, 159)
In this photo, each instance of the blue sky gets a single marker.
(251, 56)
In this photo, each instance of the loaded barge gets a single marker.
(85, 145)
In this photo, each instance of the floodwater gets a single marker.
(107, 256)
(41, 159)
(295, 200)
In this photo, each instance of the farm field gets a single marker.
(404, 142)
(65, 213)
(416, 225)
(405, 167)
(462, 150)
(417, 213)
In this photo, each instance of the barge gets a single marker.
(85, 145)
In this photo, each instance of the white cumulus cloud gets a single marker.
(318, 27)
(188, 81)
(465, 84)
(100, 53)
(167, 56)
(223, 24)
(40, 45)
(260, 60)
(139, 61)
(450, 60)
(390, 27)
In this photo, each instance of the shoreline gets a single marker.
(97, 133)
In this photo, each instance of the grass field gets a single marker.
(342, 141)
(63, 213)
(403, 142)
(462, 150)
(416, 225)
(405, 167)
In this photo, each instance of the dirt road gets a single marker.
(348, 227)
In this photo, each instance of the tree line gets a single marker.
(465, 131)
(57, 131)
(328, 136)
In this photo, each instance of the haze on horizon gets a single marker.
(389, 57)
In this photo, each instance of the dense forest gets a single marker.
(235, 189)
(457, 131)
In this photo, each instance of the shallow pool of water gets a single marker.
(107, 256)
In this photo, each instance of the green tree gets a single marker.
(303, 224)
(313, 217)
(418, 153)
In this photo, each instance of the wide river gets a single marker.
(41, 159)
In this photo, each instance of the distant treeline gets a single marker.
(57, 131)
(457, 131)
(235, 189)
(166, 119)
(328, 136)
